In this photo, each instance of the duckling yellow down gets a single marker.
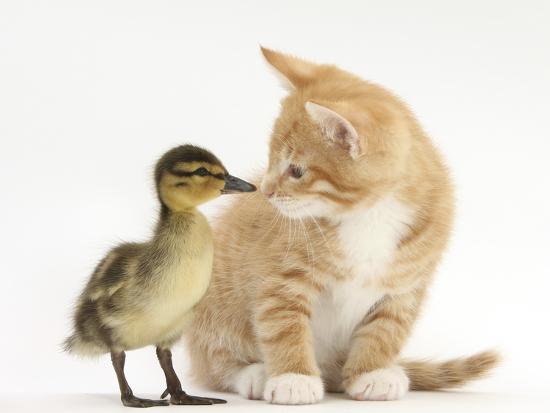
(183, 283)
(144, 294)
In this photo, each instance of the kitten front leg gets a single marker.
(282, 325)
(370, 372)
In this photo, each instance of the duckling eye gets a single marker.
(202, 171)
(295, 171)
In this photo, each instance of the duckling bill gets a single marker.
(143, 294)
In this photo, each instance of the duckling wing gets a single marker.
(114, 271)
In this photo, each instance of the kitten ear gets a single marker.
(336, 128)
(293, 71)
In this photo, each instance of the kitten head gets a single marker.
(339, 143)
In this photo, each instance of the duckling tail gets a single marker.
(426, 375)
(74, 344)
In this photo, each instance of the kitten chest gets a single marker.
(369, 238)
(337, 313)
(368, 241)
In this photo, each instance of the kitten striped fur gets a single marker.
(318, 282)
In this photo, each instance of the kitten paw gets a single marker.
(382, 384)
(250, 381)
(291, 388)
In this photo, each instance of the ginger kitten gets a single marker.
(318, 282)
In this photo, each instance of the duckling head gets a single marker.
(187, 176)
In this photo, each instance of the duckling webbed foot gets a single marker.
(133, 401)
(177, 395)
(180, 397)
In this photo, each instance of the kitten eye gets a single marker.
(295, 171)
(202, 171)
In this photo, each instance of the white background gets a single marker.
(92, 92)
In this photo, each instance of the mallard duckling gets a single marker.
(143, 293)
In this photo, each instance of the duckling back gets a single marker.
(97, 302)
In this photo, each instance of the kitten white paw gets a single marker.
(291, 388)
(382, 384)
(250, 381)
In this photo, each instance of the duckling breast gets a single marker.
(178, 286)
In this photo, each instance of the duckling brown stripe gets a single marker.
(185, 173)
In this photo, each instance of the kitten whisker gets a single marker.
(319, 228)
(309, 246)
(274, 224)
(290, 235)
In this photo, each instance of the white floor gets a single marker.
(425, 402)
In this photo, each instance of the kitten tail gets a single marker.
(427, 375)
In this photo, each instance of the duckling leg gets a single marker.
(177, 395)
(126, 395)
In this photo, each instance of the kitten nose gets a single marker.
(267, 189)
